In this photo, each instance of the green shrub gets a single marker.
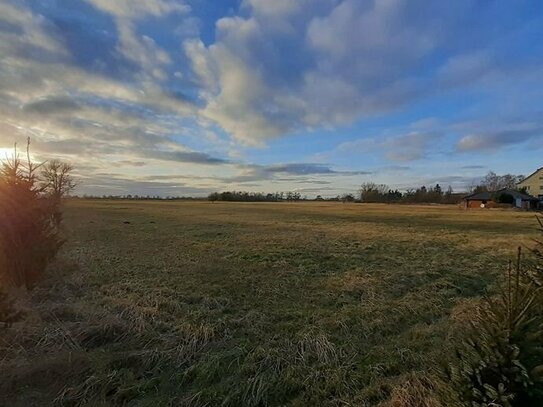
(501, 361)
(29, 224)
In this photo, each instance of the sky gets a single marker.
(187, 97)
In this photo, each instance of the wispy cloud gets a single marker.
(403, 147)
(494, 140)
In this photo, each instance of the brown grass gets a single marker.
(253, 304)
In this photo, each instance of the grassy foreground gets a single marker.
(303, 304)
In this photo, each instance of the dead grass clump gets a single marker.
(357, 285)
(316, 347)
(190, 341)
(264, 370)
(57, 337)
(107, 331)
(416, 391)
(112, 386)
(462, 314)
(48, 374)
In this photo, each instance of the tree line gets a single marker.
(244, 196)
(137, 197)
(371, 192)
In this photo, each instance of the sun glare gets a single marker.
(5, 153)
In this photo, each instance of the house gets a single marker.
(502, 198)
(533, 183)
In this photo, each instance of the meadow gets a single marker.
(241, 304)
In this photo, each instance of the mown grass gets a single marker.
(303, 304)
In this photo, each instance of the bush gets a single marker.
(29, 224)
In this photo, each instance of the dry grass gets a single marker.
(200, 304)
(416, 391)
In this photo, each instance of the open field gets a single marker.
(304, 304)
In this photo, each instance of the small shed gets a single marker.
(501, 198)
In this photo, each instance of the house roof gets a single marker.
(530, 176)
(488, 195)
(479, 196)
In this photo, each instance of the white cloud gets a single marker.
(34, 37)
(287, 67)
(377, 27)
(139, 9)
(411, 146)
(493, 140)
(35, 33)
(140, 49)
(274, 8)
(202, 64)
(348, 61)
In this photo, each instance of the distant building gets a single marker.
(533, 183)
(502, 198)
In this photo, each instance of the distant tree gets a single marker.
(244, 196)
(393, 196)
(347, 198)
(372, 192)
(449, 197)
(56, 179)
(495, 182)
(435, 194)
(213, 197)
(428, 195)
(293, 196)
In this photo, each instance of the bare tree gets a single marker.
(370, 191)
(56, 182)
(495, 182)
(56, 179)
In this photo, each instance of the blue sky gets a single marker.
(185, 97)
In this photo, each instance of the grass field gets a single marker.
(303, 304)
